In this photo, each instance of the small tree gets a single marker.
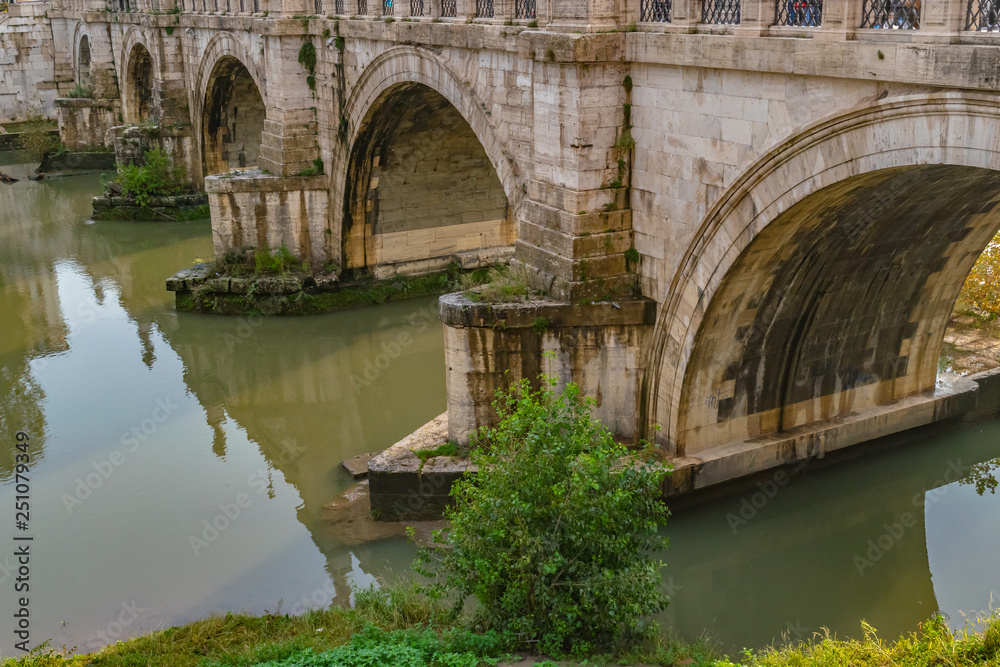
(553, 535)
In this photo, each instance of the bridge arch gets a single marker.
(139, 78)
(425, 178)
(821, 282)
(82, 56)
(230, 106)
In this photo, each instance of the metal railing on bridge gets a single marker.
(802, 13)
(983, 16)
(725, 12)
(891, 14)
(654, 11)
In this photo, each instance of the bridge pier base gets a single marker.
(253, 209)
(599, 346)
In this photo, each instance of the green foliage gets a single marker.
(981, 291)
(326, 33)
(496, 285)
(307, 58)
(540, 325)
(532, 23)
(628, 84)
(155, 178)
(550, 55)
(315, 170)
(339, 43)
(553, 534)
(632, 256)
(80, 92)
(932, 646)
(276, 262)
(411, 647)
(625, 141)
(446, 449)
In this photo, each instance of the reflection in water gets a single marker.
(981, 476)
(182, 462)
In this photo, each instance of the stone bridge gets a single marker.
(752, 218)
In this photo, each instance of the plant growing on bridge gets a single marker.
(553, 535)
(307, 58)
(157, 177)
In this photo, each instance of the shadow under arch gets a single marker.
(139, 77)
(420, 148)
(853, 187)
(230, 92)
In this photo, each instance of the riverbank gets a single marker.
(401, 632)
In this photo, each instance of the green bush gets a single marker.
(156, 178)
(553, 534)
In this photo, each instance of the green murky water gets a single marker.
(180, 463)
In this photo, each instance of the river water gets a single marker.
(180, 463)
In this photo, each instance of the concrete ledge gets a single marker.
(988, 406)
(954, 397)
(403, 489)
(458, 310)
(254, 180)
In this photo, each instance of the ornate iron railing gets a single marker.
(449, 8)
(484, 9)
(416, 7)
(362, 7)
(983, 16)
(655, 11)
(338, 7)
(726, 12)
(387, 9)
(525, 9)
(807, 13)
(891, 14)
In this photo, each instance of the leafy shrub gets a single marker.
(553, 534)
(278, 261)
(156, 178)
(981, 290)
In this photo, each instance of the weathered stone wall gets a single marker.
(27, 62)
(492, 346)
(86, 123)
(253, 210)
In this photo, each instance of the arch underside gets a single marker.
(232, 118)
(139, 102)
(838, 305)
(84, 77)
(420, 189)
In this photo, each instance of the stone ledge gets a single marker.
(952, 398)
(457, 310)
(402, 487)
(254, 180)
(988, 405)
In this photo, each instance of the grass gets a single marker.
(401, 628)
(497, 285)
